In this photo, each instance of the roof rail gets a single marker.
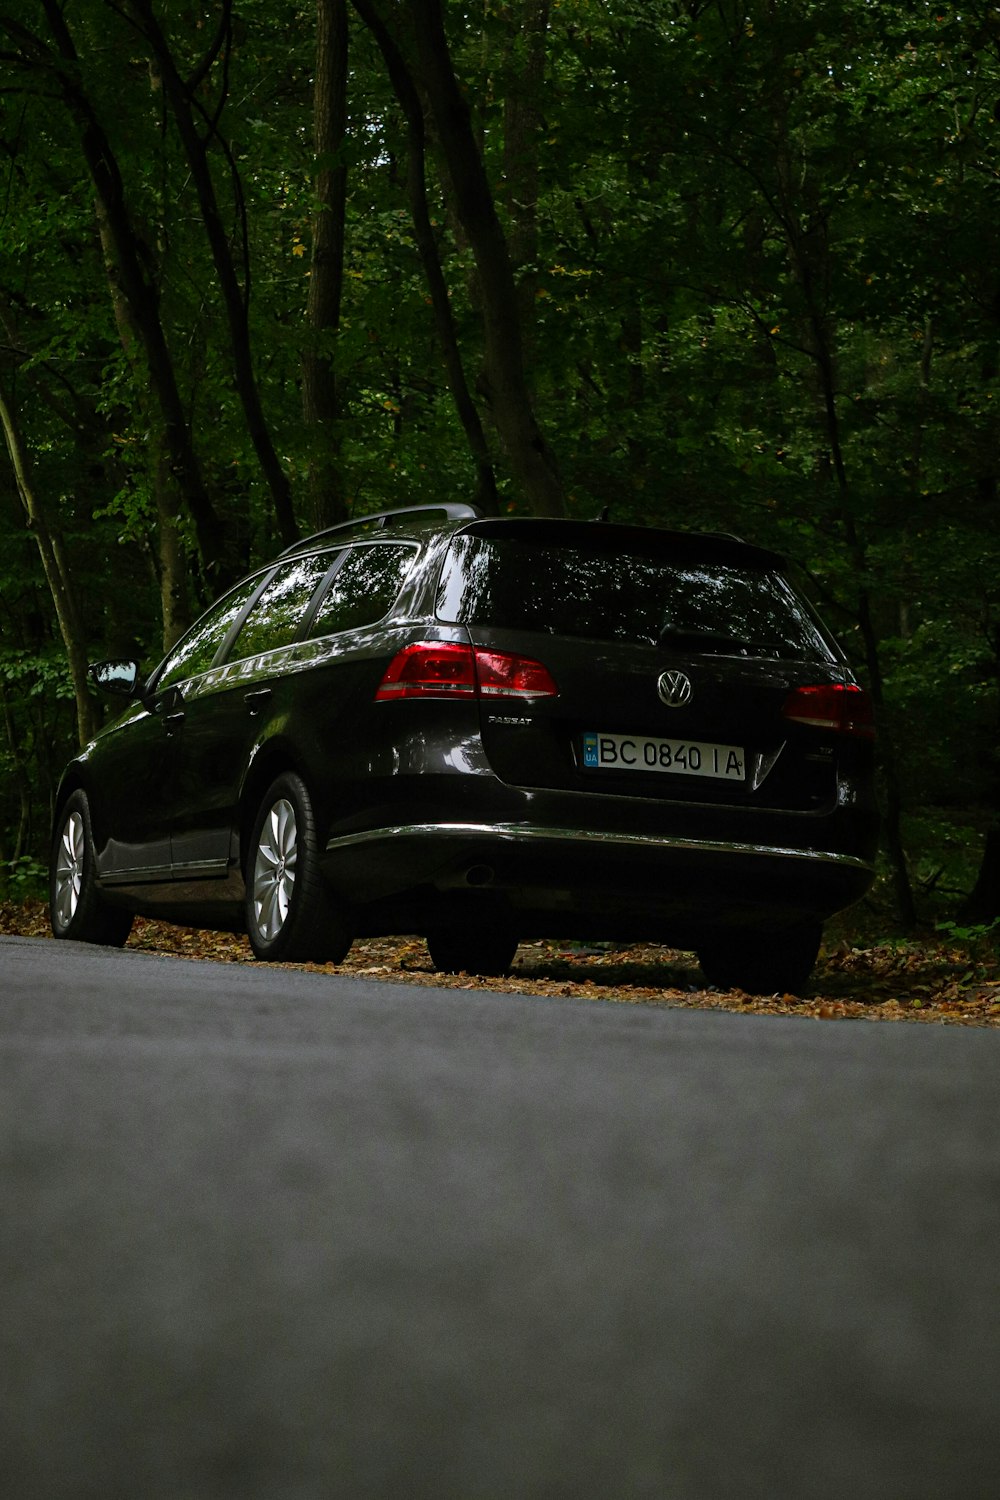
(384, 520)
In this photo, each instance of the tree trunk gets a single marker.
(982, 905)
(321, 401)
(888, 754)
(532, 461)
(522, 128)
(504, 385)
(808, 254)
(170, 570)
(416, 186)
(23, 779)
(128, 279)
(57, 574)
(236, 299)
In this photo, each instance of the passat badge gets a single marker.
(674, 688)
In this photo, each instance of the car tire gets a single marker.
(488, 953)
(291, 914)
(77, 908)
(761, 963)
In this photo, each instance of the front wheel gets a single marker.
(77, 909)
(761, 963)
(291, 915)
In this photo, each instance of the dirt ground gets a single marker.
(917, 981)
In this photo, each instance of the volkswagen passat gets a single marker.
(484, 731)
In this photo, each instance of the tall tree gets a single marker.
(419, 36)
(61, 65)
(199, 130)
(54, 562)
(523, 122)
(485, 494)
(320, 393)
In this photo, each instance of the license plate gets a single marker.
(634, 752)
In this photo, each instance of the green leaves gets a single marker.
(757, 254)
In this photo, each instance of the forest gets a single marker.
(267, 265)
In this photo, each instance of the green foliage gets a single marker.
(760, 293)
(23, 879)
(974, 935)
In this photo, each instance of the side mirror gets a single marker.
(118, 677)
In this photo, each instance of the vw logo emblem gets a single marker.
(674, 688)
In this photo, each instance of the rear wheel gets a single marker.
(485, 951)
(761, 962)
(291, 914)
(77, 909)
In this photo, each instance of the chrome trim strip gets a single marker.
(520, 832)
(140, 875)
(203, 869)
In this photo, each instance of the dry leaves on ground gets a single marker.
(926, 981)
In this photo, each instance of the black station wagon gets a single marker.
(483, 731)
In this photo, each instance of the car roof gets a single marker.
(456, 517)
(609, 536)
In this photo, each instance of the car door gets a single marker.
(130, 772)
(134, 784)
(230, 709)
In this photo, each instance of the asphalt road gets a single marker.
(277, 1235)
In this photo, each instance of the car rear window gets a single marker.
(711, 604)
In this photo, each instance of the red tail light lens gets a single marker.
(449, 669)
(503, 675)
(430, 669)
(840, 706)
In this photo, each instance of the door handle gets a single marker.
(255, 701)
(173, 721)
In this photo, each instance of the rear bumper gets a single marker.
(616, 884)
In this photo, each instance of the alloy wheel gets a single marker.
(69, 869)
(274, 869)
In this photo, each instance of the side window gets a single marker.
(276, 616)
(196, 650)
(364, 588)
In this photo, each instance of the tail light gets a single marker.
(504, 675)
(840, 706)
(443, 669)
(449, 669)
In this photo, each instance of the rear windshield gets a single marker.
(710, 604)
